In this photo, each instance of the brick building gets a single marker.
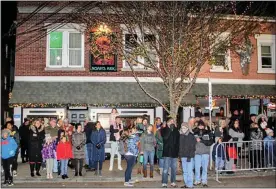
(56, 78)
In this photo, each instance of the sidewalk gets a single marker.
(23, 175)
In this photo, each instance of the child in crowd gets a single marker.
(219, 154)
(268, 146)
(48, 155)
(64, 153)
(9, 147)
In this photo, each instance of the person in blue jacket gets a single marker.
(98, 140)
(9, 147)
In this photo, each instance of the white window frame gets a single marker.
(228, 62)
(266, 40)
(65, 48)
(139, 67)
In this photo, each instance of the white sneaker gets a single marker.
(164, 185)
(131, 181)
(120, 168)
(128, 184)
(14, 173)
(110, 168)
(173, 184)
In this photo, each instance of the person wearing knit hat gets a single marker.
(187, 153)
(268, 146)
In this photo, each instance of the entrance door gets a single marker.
(242, 104)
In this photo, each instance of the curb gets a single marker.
(141, 179)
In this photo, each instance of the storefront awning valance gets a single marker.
(101, 93)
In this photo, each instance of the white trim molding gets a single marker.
(269, 41)
(132, 79)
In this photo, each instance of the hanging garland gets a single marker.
(239, 96)
(121, 105)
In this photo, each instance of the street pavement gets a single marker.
(115, 178)
(252, 182)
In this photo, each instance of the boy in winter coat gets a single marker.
(48, 155)
(148, 143)
(204, 141)
(9, 147)
(219, 154)
(78, 141)
(187, 147)
(64, 153)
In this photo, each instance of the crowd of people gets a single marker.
(56, 144)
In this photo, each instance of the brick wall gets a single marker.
(31, 60)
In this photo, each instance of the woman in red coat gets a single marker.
(64, 153)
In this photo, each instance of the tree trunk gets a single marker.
(173, 110)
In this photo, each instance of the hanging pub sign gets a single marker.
(102, 54)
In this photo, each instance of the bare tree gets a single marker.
(172, 39)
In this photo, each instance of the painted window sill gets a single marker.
(137, 70)
(64, 69)
(266, 71)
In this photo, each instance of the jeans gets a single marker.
(148, 155)
(219, 163)
(188, 173)
(130, 164)
(55, 168)
(201, 161)
(169, 163)
(161, 163)
(114, 150)
(50, 165)
(90, 154)
(64, 166)
(86, 155)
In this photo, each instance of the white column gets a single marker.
(192, 111)
(186, 113)
(159, 112)
(17, 116)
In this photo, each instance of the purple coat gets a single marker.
(48, 151)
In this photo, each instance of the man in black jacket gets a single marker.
(24, 139)
(115, 133)
(170, 135)
(89, 127)
(187, 148)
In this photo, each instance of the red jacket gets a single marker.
(64, 151)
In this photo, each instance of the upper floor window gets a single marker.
(65, 48)
(221, 59)
(146, 42)
(266, 53)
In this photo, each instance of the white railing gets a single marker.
(254, 155)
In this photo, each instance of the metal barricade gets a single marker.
(253, 155)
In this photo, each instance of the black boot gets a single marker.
(23, 160)
(37, 166)
(81, 165)
(76, 167)
(32, 166)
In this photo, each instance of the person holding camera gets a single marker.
(79, 141)
(98, 139)
(204, 141)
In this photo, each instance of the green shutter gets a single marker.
(56, 40)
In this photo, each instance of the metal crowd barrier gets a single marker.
(257, 155)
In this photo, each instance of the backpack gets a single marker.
(122, 147)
